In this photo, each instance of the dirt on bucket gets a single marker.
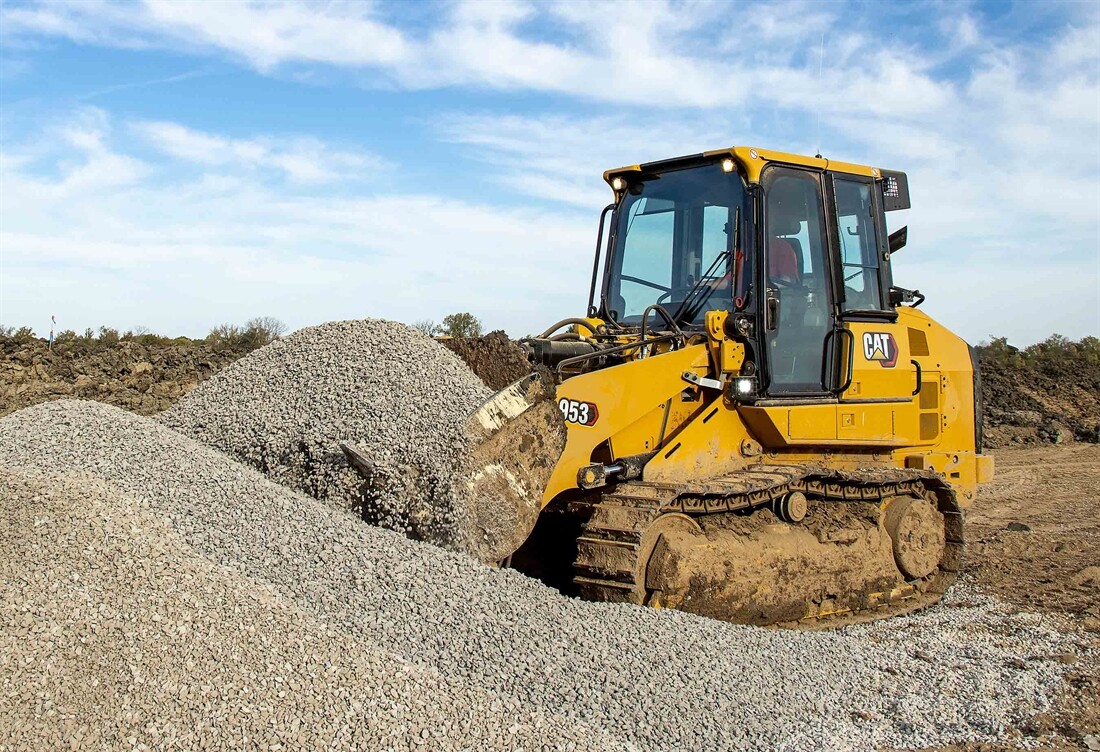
(496, 359)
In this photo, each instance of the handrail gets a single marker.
(596, 261)
(851, 361)
(840, 388)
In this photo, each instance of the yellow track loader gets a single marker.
(751, 421)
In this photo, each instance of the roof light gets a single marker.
(618, 184)
(727, 165)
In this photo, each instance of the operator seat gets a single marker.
(783, 261)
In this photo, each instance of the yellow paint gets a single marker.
(624, 394)
(985, 468)
(704, 429)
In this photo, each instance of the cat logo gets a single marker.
(880, 346)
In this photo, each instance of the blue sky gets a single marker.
(176, 165)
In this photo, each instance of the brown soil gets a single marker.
(503, 512)
(1052, 402)
(1035, 542)
(1035, 530)
(497, 360)
(755, 570)
(138, 377)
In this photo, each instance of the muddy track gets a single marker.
(628, 546)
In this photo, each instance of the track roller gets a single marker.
(791, 507)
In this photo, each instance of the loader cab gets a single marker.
(795, 249)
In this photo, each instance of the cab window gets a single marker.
(648, 254)
(859, 254)
(673, 244)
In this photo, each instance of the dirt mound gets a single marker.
(497, 360)
(142, 378)
(1048, 393)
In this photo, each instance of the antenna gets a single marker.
(820, 63)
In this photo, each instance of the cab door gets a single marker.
(799, 313)
(798, 304)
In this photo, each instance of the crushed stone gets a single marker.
(966, 670)
(115, 634)
(389, 390)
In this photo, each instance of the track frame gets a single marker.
(616, 541)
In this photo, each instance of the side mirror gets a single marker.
(898, 239)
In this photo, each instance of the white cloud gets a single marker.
(181, 255)
(264, 33)
(270, 33)
(658, 54)
(89, 164)
(562, 159)
(305, 160)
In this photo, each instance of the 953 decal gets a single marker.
(581, 413)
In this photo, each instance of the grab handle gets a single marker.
(851, 360)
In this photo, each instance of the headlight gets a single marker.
(618, 184)
(744, 385)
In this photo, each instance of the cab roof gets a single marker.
(751, 159)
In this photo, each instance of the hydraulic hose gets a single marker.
(565, 322)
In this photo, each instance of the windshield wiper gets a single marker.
(684, 309)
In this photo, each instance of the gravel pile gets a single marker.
(659, 680)
(114, 633)
(388, 389)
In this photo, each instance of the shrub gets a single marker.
(108, 336)
(255, 334)
(265, 329)
(23, 335)
(461, 326)
(142, 335)
(1055, 355)
(427, 326)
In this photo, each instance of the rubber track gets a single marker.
(607, 565)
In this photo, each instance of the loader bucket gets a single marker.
(517, 437)
(492, 499)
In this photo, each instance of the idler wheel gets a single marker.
(791, 507)
(916, 529)
(664, 574)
